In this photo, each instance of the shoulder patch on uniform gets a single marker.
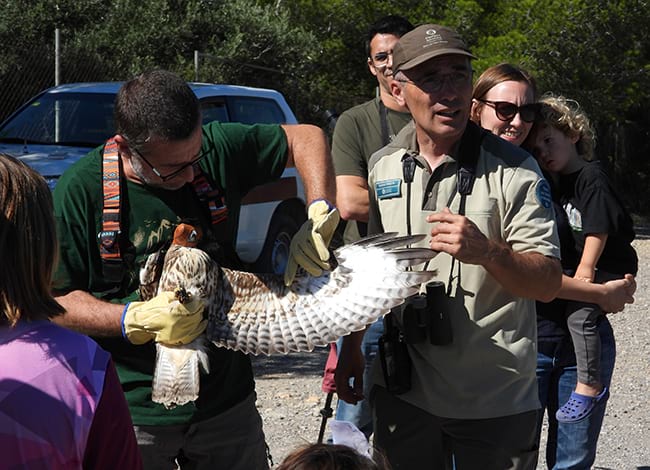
(387, 189)
(543, 193)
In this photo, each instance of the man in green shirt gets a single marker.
(158, 144)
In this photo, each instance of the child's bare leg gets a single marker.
(589, 390)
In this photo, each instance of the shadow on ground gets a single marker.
(312, 363)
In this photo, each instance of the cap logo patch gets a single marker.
(432, 38)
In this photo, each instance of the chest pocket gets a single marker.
(484, 213)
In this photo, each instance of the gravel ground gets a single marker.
(289, 396)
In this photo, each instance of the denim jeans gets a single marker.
(571, 445)
(361, 414)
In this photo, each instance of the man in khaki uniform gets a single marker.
(471, 401)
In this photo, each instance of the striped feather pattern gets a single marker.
(258, 314)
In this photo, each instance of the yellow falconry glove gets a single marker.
(309, 245)
(163, 319)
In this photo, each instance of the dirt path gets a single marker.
(290, 398)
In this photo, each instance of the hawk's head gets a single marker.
(187, 235)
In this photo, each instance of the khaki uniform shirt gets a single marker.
(489, 369)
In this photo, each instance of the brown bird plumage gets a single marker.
(258, 314)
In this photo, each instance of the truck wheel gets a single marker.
(275, 252)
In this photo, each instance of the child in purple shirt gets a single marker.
(61, 404)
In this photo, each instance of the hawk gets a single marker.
(258, 314)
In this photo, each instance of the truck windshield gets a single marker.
(79, 119)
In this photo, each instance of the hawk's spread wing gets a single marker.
(257, 313)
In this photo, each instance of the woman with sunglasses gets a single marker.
(504, 102)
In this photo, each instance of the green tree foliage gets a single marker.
(599, 55)
(314, 52)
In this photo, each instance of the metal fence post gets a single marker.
(57, 57)
(196, 65)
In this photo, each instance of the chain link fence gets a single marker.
(36, 71)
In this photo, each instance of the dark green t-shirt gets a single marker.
(241, 157)
(357, 135)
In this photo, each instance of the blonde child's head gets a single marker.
(567, 116)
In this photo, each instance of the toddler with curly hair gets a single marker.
(562, 141)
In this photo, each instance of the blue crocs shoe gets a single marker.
(580, 406)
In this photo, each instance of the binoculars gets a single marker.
(425, 317)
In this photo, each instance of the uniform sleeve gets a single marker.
(347, 150)
(529, 221)
(244, 156)
(374, 216)
(111, 441)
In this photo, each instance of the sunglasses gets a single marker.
(506, 111)
(382, 56)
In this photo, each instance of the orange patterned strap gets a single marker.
(109, 246)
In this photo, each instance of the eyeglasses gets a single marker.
(507, 111)
(380, 59)
(174, 173)
(382, 56)
(435, 83)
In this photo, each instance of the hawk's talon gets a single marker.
(182, 295)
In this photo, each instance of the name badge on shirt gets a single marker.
(388, 189)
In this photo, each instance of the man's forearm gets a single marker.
(309, 152)
(610, 296)
(528, 275)
(89, 315)
(352, 197)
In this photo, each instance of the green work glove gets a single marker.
(163, 319)
(309, 244)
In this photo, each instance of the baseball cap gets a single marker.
(426, 42)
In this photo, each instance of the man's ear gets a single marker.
(122, 145)
(371, 67)
(397, 90)
(475, 112)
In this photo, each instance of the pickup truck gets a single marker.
(61, 124)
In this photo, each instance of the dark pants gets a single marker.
(232, 440)
(411, 438)
(583, 320)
